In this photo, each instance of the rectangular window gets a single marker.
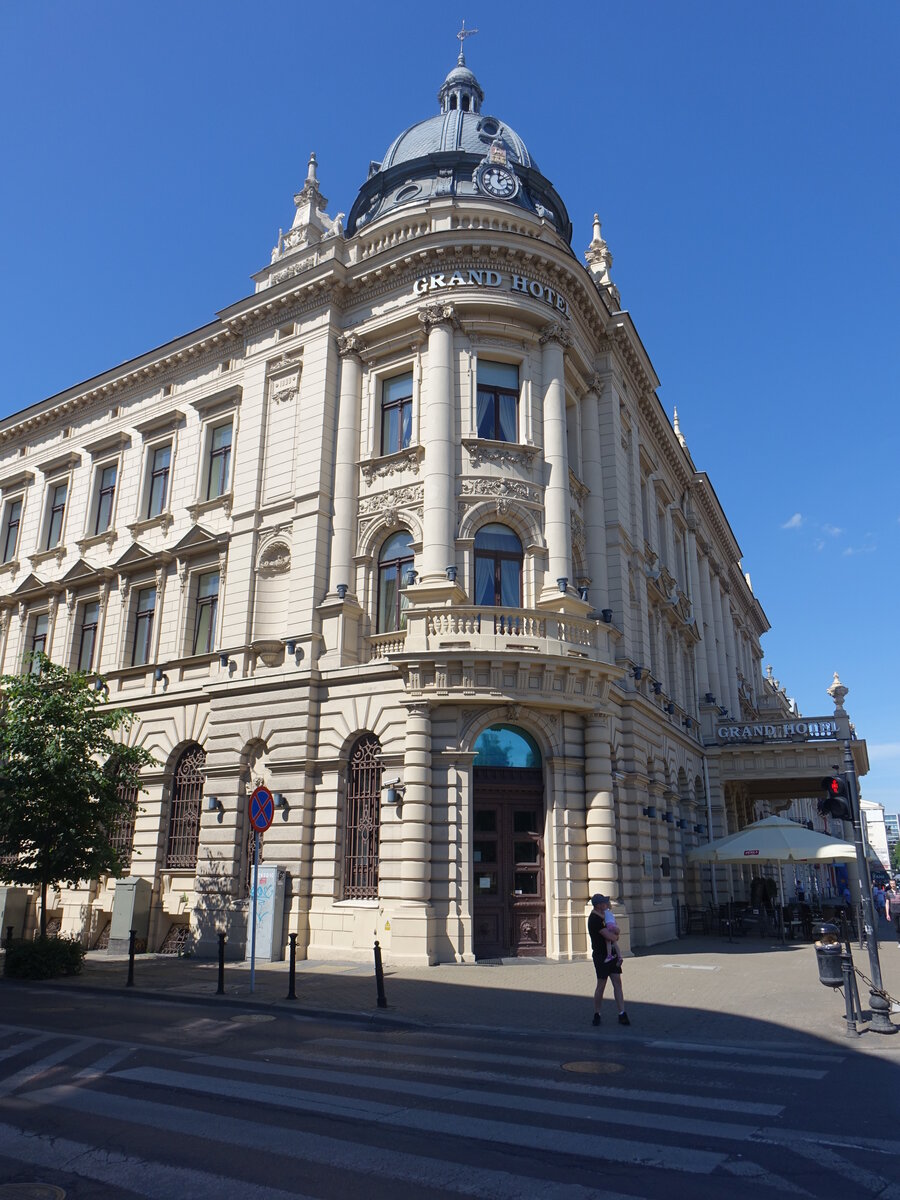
(57, 513)
(38, 643)
(207, 605)
(143, 626)
(158, 490)
(219, 462)
(11, 529)
(87, 637)
(106, 494)
(497, 401)
(396, 413)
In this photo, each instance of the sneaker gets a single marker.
(623, 1018)
(596, 1020)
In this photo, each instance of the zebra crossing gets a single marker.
(319, 1114)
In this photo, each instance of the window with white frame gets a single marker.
(396, 413)
(105, 497)
(144, 611)
(159, 465)
(56, 514)
(206, 607)
(36, 642)
(218, 466)
(12, 520)
(86, 645)
(497, 401)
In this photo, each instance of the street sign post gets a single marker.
(261, 810)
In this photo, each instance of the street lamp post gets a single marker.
(879, 1006)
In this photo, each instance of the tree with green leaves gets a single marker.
(66, 779)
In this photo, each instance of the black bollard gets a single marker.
(379, 977)
(220, 990)
(292, 970)
(9, 936)
(131, 938)
(851, 996)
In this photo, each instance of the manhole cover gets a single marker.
(31, 1191)
(594, 1068)
(247, 1018)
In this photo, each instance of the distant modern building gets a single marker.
(891, 831)
(876, 831)
(406, 536)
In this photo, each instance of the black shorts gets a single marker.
(603, 968)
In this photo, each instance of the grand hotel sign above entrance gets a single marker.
(444, 280)
(810, 729)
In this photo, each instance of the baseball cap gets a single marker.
(597, 898)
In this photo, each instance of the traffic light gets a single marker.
(836, 801)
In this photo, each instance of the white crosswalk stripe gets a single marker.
(335, 1104)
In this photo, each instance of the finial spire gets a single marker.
(462, 35)
(311, 170)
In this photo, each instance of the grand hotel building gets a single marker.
(406, 536)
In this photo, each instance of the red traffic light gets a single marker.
(836, 801)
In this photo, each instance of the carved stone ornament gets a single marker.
(275, 559)
(124, 587)
(577, 490)
(182, 572)
(555, 332)
(595, 385)
(508, 489)
(293, 269)
(70, 601)
(159, 580)
(514, 456)
(394, 464)
(22, 612)
(285, 388)
(350, 344)
(438, 314)
(391, 500)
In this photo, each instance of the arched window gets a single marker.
(498, 567)
(506, 746)
(362, 820)
(394, 565)
(184, 818)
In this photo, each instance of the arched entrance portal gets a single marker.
(508, 845)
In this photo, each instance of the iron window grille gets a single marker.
(396, 413)
(159, 481)
(205, 618)
(105, 496)
(184, 817)
(143, 626)
(90, 619)
(362, 820)
(11, 531)
(57, 513)
(122, 837)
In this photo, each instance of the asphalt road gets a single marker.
(126, 1097)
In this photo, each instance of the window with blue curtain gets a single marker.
(498, 567)
(395, 562)
(497, 401)
(396, 413)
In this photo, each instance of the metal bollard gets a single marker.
(292, 970)
(379, 977)
(131, 937)
(220, 990)
(9, 936)
(850, 993)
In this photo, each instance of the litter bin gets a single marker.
(828, 955)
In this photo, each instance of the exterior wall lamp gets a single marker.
(214, 804)
(687, 722)
(668, 817)
(669, 708)
(394, 791)
(657, 687)
(160, 676)
(451, 574)
(650, 811)
(279, 800)
(341, 590)
(709, 698)
(606, 614)
(563, 583)
(637, 672)
(225, 660)
(291, 646)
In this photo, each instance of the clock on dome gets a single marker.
(497, 181)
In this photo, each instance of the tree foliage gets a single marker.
(66, 779)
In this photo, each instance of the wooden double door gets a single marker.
(509, 913)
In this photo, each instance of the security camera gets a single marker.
(392, 782)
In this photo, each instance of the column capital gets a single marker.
(595, 384)
(417, 708)
(436, 313)
(350, 345)
(556, 332)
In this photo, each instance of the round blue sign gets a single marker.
(262, 809)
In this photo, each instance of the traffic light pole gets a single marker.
(880, 1008)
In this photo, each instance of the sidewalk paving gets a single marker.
(698, 989)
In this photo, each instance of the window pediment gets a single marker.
(109, 444)
(224, 399)
(16, 482)
(162, 423)
(62, 462)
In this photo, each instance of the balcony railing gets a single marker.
(489, 629)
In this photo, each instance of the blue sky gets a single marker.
(743, 160)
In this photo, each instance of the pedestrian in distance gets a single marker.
(892, 911)
(607, 965)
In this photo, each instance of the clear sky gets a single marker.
(743, 158)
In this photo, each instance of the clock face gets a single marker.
(497, 181)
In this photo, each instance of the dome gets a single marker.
(461, 152)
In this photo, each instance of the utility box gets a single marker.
(131, 910)
(13, 907)
(269, 915)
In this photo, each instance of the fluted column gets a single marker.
(438, 550)
(712, 658)
(600, 820)
(346, 475)
(557, 519)
(731, 655)
(724, 680)
(703, 681)
(415, 866)
(594, 511)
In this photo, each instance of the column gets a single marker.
(724, 680)
(703, 681)
(594, 510)
(438, 550)
(415, 866)
(712, 659)
(346, 476)
(557, 523)
(731, 655)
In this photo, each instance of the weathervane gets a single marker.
(462, 35)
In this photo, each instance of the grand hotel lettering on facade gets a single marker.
(410, 513)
